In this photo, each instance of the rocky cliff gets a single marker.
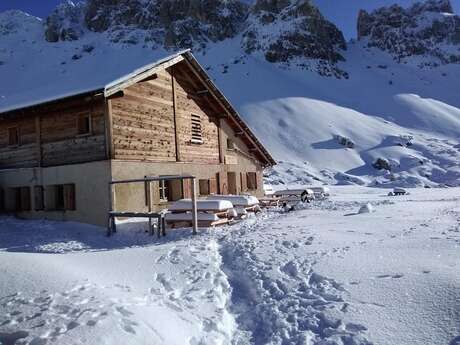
(282, 30)
(287, 30)
(429, 30)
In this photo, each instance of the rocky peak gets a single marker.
(427, 29)
(65, 23)
(170, 23)
(287, 30)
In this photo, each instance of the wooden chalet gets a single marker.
(58, 155)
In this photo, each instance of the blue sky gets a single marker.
(342, 12)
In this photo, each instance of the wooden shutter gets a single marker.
(186, 187)
(84, 124)
(25, 199)
(251, 180)
(39, 203)
(13, 136)
(69, 197)
(244, 182)
(197, 135)
(213, 186)
(223, 186)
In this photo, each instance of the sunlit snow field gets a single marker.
(320, 275)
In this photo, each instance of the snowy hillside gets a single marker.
(328, 114)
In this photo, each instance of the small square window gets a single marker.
(84, 124)
(13, 136)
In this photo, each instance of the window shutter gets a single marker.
(13, 136)
(213, 186)
(197, 133)
(204, 187)
(84, 124)
(69, 197)
(25, 198)
(223, 183)
(39, 198)
(251, 180)
(244, 182)
(186, 187)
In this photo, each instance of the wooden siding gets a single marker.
(143, 122)
(49, 136)
(208, 151)
(22, 155)
(61, 143)
(153, 123)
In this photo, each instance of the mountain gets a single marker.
(371, 111)
(428, 30)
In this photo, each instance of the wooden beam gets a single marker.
(109, 145)
(118, 94)
(220, 140)
(38, 131)
(141, 75)
(176, 120)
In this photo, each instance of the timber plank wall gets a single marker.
(48, 135)
(150, 114)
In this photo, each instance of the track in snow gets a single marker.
(277, 297)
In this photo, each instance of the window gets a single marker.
(60, 197)
(197, 135)
(230, 144)
(39, 198)
(84, 124)
(13, 136)
(251, 180)
(204, 187)
(163, 190)
(21, 198)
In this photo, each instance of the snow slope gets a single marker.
(297, 113)
(321, 275)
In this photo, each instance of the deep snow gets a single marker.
(319, 275)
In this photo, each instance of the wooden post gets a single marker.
(148, 195)
(109, 225)
(194, 207)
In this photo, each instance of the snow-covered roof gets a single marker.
(91, 78)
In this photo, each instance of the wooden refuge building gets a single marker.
(58, 154)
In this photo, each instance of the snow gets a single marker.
(367, 208)
(188, 216)
(202, 205)
(320, 275)
(236, 200)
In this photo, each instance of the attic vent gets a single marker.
(197, 135)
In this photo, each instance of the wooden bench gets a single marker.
(178, 219)
(112, 227)
(269, 202)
